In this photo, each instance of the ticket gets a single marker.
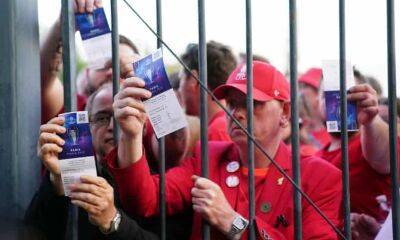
(96, 37)
(77, 156)
(163, 109)
(331, 87)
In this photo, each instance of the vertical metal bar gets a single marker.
(115, 57)
(249, 104)
(343, 120)
(203, 102)
(68, 44)
(392, 118)
(295, 119)
(161, 142)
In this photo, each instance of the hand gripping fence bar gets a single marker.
(258, 145)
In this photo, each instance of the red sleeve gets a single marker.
(325, 190)
(138, 189)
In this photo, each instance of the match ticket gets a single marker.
(96, 36)
(331, 86)
(163, 109)
(77, 157)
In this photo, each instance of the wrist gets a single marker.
(130, 149)
(111, 224)
(227, 221)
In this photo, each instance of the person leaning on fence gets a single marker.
(222, 199)
(99, 205)
(369, 155)
(47, 209)
(91, 79)
(220, 63)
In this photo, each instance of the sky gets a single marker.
(317, 25)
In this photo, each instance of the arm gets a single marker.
(325, 189)
(50, 64)
(374, 131)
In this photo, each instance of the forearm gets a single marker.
(375, 145)
(50, 55)
(130, 150)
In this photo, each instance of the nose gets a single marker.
(239, 113)
(110, 126)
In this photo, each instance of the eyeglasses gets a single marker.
(101, 118)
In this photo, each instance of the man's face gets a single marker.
(309, 108)
(97, 77)
(189, 92)
(267, 118)
(102, 122)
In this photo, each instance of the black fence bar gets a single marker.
(203, 103)
(295, 119)
(115, 57)
(249, 105)
(343, 120)
(392, 118)
(69, 71)
(161, 144)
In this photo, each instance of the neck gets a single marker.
(260, 160)
(213, 108)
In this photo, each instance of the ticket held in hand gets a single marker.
(77, 156)
(96, 36)
(163, 109)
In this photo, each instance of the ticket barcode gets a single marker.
(82, 117)
(332, 126)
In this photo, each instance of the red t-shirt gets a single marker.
(217, 128)
(365, 183)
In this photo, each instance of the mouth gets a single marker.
(109, 140)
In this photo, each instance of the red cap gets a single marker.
(268, 83)
(312, 77)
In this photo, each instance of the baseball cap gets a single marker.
(312, 77)
(268, 83)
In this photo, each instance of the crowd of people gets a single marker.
(122, 201)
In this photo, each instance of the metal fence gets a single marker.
(298, 194)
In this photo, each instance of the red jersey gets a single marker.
(365, 183)
(138, 191)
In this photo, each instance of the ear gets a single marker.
(284, 122)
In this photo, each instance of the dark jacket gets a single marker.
(48, 214)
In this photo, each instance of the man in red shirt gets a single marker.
(220, 63)
(369, 158)
(222, 200)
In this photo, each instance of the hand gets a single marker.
(125, 63)
(128, 107)
(363, 227)
(49, 146)
(367, 102)
(96, 197)
(209, 200)
(82, 6)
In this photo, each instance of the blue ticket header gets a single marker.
(92, 24)
(78, 139)
(151, 69)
